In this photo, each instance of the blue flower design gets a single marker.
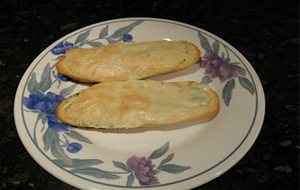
(62, 77)
(44, 103)
(127, 38)
(62, 47)
(74, 147)
(47, 105)
(56, 125)
(33, 100)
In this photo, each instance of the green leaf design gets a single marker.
(130, 180)
(125, 30)
(40, 116)
(227, 91)
(81, 37)
(223, 55)
(112, 41)
(82, 43)
(48, 138)
(103, 32)
(166, 160)
(97, 173)
(216, 47)
(227, 59)
(67, 91)
(58, 152)
(121, 165)
(33, 85)
(43, 128)
(204, 42)
(78, 163)
(173, 168)
(94, 44)
(160, 151)
(45, 82)
(234, 63)
(66, 142)
(247, 84)
(33, 111)
(75, 135)
(206, 79)
(44, 120)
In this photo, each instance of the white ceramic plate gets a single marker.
(178, 156)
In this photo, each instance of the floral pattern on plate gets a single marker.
(122, 34)
(174, 158)
(61, 139)
(221, 67)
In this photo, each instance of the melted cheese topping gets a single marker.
(125, 61)
(134, 103)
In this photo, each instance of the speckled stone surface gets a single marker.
(265, 32)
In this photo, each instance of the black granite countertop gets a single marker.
(265, 32)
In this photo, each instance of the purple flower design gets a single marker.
(143, 170)
(62, 47)
(46, 104)
(216, 67)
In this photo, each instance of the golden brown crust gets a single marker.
(127, 61)
(60, 112)
(63, 70)
(135, 103)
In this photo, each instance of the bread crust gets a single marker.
(135, 103)
(128, 61)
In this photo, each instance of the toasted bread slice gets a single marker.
(127, 61)
(130, 104)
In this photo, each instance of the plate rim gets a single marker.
(258, 86)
